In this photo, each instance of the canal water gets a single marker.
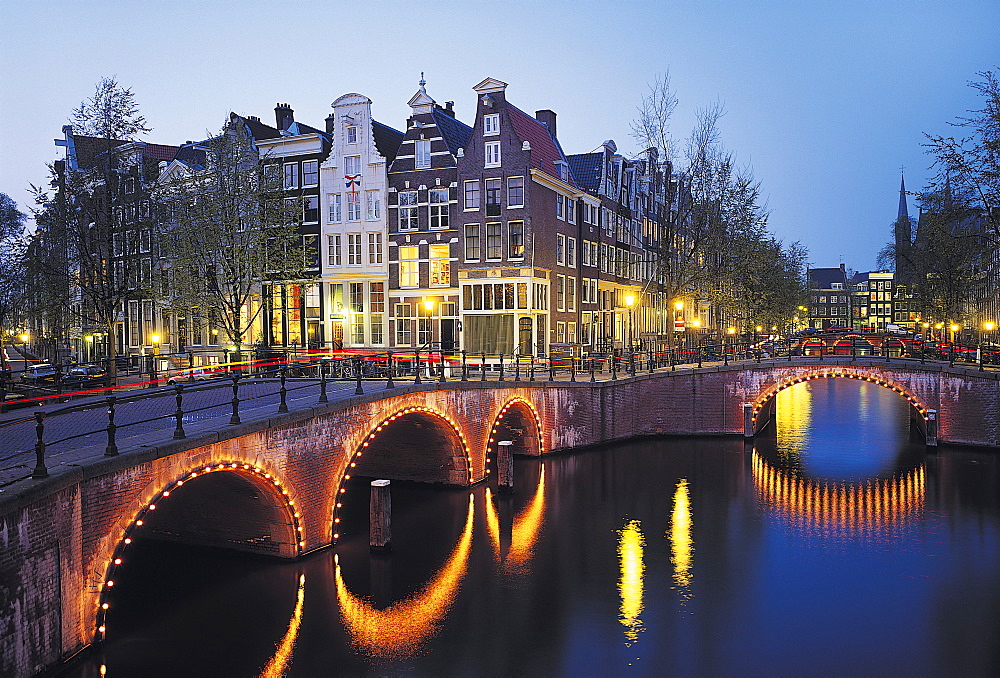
(833, 546)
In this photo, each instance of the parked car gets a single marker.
(193, 374)
(79, 373)
(40, 373)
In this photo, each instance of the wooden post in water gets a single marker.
(505, 466)
(748, 431)
(380, 515)
(932, 428)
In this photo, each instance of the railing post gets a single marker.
(500, 378)
(590, 359)
(572, 367)
(283, 406)
(389, 384)
(517, 367)
(322, 381)
(465, 367)
(235, 419)
(357, 373)
(922, 357)
(614, 364)
(483, 366)
(700, 356)
(631, 363)
(416, 379)
(40, 470)
(854, 350)
(112, 449)
(552, 369)
(531, 368)
(951, 354)
(179, 411)
(725, 353)
(441, 378)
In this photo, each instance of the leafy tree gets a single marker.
(12, 281)
(230, 230)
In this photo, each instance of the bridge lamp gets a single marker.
(954, 328)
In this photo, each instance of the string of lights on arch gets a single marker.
(500, 417)
(103, 604)
(909, 397)
(352, 463)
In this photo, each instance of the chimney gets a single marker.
(548, 118)
(449, 107)
(283, 116)
(331, 123)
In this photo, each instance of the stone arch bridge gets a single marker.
(275, 486)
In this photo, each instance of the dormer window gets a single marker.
(422, 153)
(491, 124)
(352, 134)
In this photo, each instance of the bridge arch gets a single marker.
(253, 511)
(517, 421)
(764, 403)
(415, 443)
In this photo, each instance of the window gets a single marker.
(571, 333)
(352, 166)
(374, 206)
(471, 195)
(409, 267)
(422, 149)
(515, 240)
(491, 125)
(438, 198)
(493, 197)
(310, 209)
(310, 173)
(310, 251)
(292, 175)
(440, 265)
(570, 210)
(492, 154)
(515, 191)
(571, 252)
(352, 134)
(560, 292)
(408, 211)
(377, 309)
(333, 250)
(559, 207)
(560, 249)
(374, 248)
(570, 294)
(403, 313)
(335, 208)
(354, 206)
(353, 249)
(472, 242)
(494, 242)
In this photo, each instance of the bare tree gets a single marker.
(230, 229)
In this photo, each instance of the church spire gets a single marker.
(902, 198)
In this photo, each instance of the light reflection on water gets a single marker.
(817, 551)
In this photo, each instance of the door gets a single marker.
(448, 334)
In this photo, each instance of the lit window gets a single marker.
(440, 265)
(515, 240)
(409, 267)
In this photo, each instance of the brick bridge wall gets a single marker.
(282, 478)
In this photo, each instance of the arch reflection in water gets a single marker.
(526, 527)
(398, 630)
(874, 508)
(630, 585)
(283, 655)
(681, 543)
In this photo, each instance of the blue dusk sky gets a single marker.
(825, 100)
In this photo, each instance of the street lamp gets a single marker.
(156, 356)
(24, 346)
(629, 302)
(954, 328)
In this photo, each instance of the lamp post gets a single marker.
(428, 305)
(156, 356)
(629, 302)
(988, 326)
(731, 332)
(954, 328)
(24, 346)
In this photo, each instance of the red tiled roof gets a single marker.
(159, 151)
(545, 152)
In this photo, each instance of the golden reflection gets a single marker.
(841, 509)
(283, 654)
(681, 544)
(630, 586)
(492, 522)
(398, 630)
(792, 415)
(526, 526)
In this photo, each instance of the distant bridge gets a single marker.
(275, 483)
